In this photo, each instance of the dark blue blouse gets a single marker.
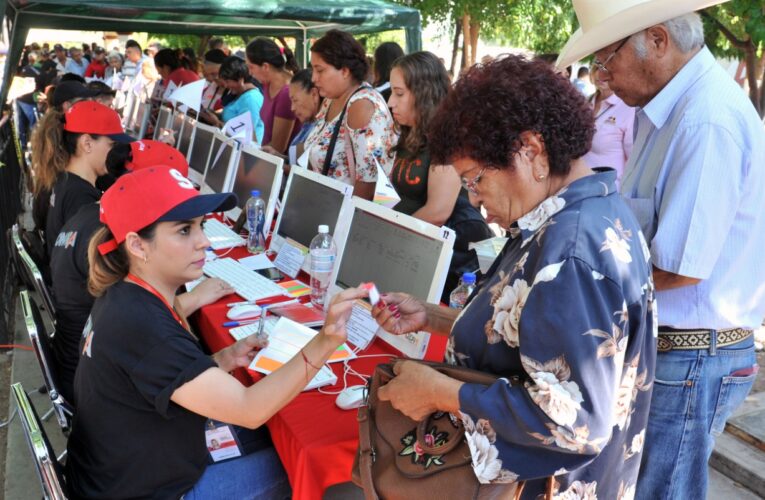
(568, 310)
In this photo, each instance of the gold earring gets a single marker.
(539, 179)
(145, 259)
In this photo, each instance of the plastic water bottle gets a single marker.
(459, 296)
(323, 255)
(256, 220)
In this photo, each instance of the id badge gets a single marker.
(221, 441)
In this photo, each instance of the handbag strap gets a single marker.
(366, 453)
(335, 132)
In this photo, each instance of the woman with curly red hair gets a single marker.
(564, 318)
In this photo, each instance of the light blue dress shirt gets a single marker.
(73, 66)
(695, 181)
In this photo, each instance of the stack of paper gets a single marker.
(285, 342)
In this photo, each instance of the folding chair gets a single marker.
(44, 353)
(30, 273)
(49, 469)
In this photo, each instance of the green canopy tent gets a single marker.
(301, 19)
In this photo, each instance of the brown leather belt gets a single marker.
(684, 340)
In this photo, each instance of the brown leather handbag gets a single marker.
(400, 459)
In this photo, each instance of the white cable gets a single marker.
(348, 370)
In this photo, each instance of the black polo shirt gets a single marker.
(129, 440)
(70, 193)
(69, 276)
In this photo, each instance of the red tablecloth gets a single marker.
(315, 439)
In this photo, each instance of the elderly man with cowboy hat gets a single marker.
(694, 181)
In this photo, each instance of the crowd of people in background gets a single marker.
(569, 303)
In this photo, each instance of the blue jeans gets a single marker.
(258, 475)
(27, 121)
(693, 396)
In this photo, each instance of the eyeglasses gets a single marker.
(471, 184)
(602, 65)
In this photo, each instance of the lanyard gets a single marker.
(138, 281)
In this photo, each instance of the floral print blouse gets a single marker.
(353, 158)
(567, 318)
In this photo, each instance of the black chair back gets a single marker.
(40, 340)
(49, 470)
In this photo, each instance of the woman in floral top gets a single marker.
(366, 135)
(566, 315)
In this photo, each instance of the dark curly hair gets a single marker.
(341, 50)
(234, 68)
(484, 115)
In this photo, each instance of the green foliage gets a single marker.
(541, 26)
(373, 40)
(537, 25)
(746, 21)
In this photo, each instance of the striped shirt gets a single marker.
(695, 182)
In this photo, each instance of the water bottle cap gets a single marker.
(255, 192)
(468, 278)
(324, 229)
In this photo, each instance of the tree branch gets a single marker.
(739, 44)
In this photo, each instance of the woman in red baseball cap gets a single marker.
(144, 387)
(74, 159)
(69, 260)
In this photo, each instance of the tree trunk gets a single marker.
(761, 110)
(475, 28)
(203, 41)
(750, 56)
(465, 43)
(455, 44)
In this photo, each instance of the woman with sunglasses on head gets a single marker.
(418, 84)
(273, 67)
(354, 130)
(144, 388)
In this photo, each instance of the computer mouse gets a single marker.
(351, 397)
(243, 311)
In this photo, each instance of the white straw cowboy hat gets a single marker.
(603, 22)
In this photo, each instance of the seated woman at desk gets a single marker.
(69, 261)
(567, 307)
(144, 387)
(306, 101)
(354, 128)
(243, 96)
(428, 191)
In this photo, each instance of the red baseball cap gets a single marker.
(91, 117)
(159, 193)
(148, 153)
